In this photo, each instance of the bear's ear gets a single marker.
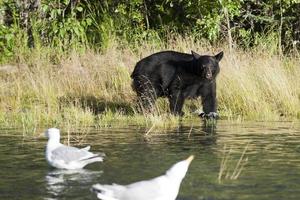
(219, 56)
(195, 55)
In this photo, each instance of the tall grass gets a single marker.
(94, 88)
(257, 85)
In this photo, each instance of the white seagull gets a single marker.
(165, 187)
(66, 157)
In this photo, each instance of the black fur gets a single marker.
(177, 76)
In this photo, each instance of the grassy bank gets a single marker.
(42, 88)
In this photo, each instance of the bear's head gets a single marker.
(207, 66)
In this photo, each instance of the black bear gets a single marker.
(178, 76)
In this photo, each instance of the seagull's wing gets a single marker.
(69, 154)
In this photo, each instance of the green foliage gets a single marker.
(7, 42)
(59, 27)
(7, 34)
(74, 24)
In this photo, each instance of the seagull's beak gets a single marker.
(190, 159)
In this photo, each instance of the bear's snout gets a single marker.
(208, 74)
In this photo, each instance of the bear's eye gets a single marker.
(205, 66)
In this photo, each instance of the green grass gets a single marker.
(42, 88)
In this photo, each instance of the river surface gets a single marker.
(245, 161)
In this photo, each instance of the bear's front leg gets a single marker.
(176, 103)
(209, 101)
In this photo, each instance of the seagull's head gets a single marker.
(53, 133)
(179, 169)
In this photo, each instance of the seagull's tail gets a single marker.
(87, 148)
(92, 160)
(103, 193)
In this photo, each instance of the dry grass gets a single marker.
(256, 85)
(227, 169)
(94, 89)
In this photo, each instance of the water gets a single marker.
(269, 167)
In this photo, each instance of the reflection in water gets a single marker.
(209, 131)
(209, 127)
(59, 180)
